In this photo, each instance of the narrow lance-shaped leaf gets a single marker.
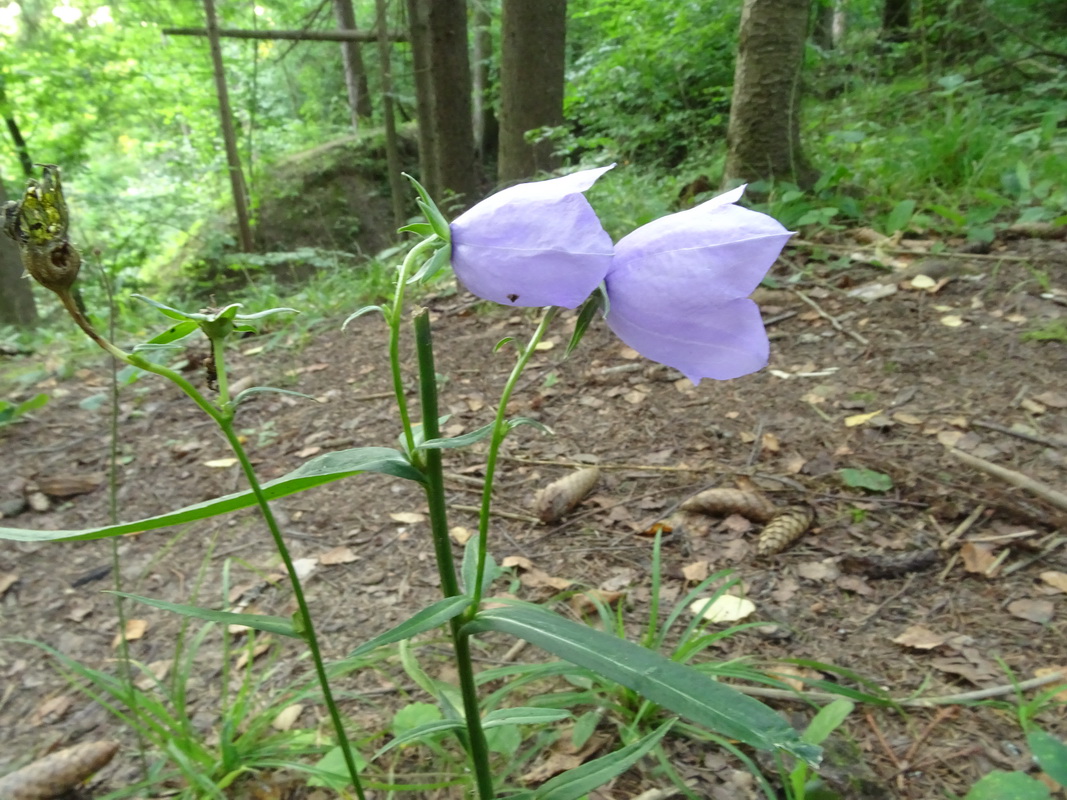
(322, 469)
(260, 622)
(674, 686)
(427, 619)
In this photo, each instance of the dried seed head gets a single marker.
(38, 224)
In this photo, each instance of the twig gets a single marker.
(1045, 492)
(902, 251)
(863, 622)
(645, 467)
(1050, 441)
(830, 318)
(911, 702)
(1018, 565)
(962, 528)
(881, 740)
(503, 514)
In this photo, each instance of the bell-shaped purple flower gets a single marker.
(534, 244)
(678, 288)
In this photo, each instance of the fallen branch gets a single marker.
(1045, 492)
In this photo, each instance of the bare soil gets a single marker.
(933, 587)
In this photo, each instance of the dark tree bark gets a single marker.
(822, 24)
(233, 160)
(352, 59)
(419, 24)
(392, 150)
(450, 73)
(485, 126)
(763, 137)
(531, 83)
(896, 20)
(17, 306)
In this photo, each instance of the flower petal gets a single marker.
(678, 287)
(721, 342)
(534, 244)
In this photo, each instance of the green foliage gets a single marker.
(650, 80)
(10, 412)
(868, 479)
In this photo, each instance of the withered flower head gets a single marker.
(38, 224)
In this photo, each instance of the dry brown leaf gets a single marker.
(560, 496)
(907, 419)
(696, 572)
(52, 710)
(135, 629)
(158, 669)
(1042, 672)
(338, 555)
(818, 570)
(1052, 399)
(262, 645)
(586, 602)
(220, 463)
(563, 757)
(537, 578)
(790, 675)
(975, 673)
(920, 637)
(7, 580)
(724, 608)
(287, 717)
(408, 517)
(854, 583)
(57, 773)
(460, 535)
(522, 562)
(1040, 611)
(1057, 580)
(859, 419)
(308, 452)
(771, 443)
(978, 558)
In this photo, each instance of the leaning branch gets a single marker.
(306, 36)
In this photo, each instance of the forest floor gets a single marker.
(939, 584)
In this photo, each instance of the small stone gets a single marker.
(39, 501)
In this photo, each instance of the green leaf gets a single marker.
(260, 622)
(517, 421)
(674, 686)
(523, 715)
(427, 619)
(422, 229)
(463, 440)
(331, 771)
(469, 568)
(360, 313)
(579, 781)
(425, 731)
(322, 469)
(1049, 753)
(434, 264)
(1000, 785)
(429, 208)
(175, 332)
(502, 342)
(867, 479)
(597, 302)
(827, 721)
(900, 216)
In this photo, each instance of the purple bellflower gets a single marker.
(533, 244)
(678, 288)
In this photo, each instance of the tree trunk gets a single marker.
(481, 109)
(392, 150)
(822, 26)
(233, 160)
(896, 20)
(352, 58)
(17, 306)
(531, 84)
(450, 72)
(419, 24)
(763, 137)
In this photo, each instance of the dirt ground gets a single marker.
(935, 586)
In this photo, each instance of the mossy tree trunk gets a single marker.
(532, 57)
(17, 306)
(763, 136)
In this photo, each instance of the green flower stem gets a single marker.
(218, 354)
(308, 632)
(223, 417)
(435, 495)
(394, 319)
(500, 432)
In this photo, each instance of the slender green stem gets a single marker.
(435, 495)
(394, 319)
(218, 355)
(500, 432)
(308, 632)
